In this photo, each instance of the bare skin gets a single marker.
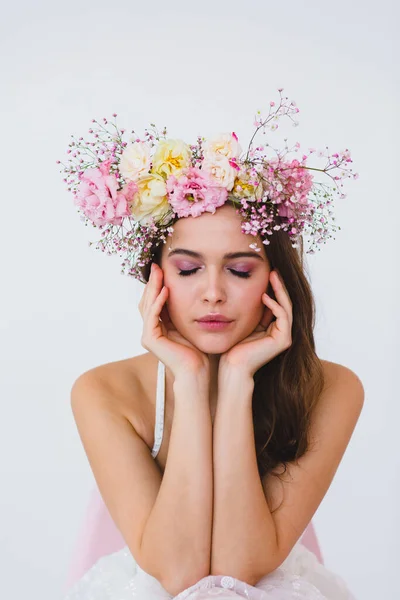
(206, 268)
(133, 383)
(213, 287)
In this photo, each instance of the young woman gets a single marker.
(250, 425)
(255, 425)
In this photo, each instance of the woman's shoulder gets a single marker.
(118, 374)
(123, 372)
(334, 371)
(343, 389)
(126, 383)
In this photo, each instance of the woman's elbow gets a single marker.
(177, 584)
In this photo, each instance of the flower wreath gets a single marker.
(133, 192)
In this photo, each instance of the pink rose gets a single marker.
(194, 192)
(99, 198)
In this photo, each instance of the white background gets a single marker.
(198, 68)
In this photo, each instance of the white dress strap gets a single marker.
(160, 401)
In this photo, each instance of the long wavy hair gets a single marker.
(287, 388)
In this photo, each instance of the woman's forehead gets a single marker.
(212, 236)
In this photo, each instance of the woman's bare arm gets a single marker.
(250, 539)
(177, 534)
(164, 520)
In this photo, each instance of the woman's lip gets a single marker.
(214, 325)
(213, 321)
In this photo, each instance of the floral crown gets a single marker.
(134, 192)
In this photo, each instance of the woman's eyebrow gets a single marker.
(229, 255)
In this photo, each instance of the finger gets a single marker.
(153, 286)
(267, 317)
(274, 306)
(279, 285)
(281, 293)
(146, 288)
(282, 318)
(157, 305)
(166, 319)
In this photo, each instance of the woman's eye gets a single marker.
(243, 274)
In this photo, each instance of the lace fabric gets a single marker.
(300, 577)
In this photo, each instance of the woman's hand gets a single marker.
(269, 338)
(161, 337)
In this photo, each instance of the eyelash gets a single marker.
(242, 274)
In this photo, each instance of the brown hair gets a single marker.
(287, 388)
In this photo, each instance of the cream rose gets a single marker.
(225, 144)
(170, 157)
(135, 161)
(151, 200)
(243, 188)
(218, 167)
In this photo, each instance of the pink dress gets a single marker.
(104, 569)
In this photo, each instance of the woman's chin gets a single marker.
(213, 344)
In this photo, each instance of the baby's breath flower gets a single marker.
(113, 182)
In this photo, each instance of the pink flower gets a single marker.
(194, 192)
(99, 198)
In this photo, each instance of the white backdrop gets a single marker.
(198, 68)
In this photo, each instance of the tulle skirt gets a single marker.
(301, 576)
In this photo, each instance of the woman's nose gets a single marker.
(213, 290)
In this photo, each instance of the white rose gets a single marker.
(135, 161)
(225, 144)
(218, 167)
(151, 199)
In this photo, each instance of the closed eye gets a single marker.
(243, 274)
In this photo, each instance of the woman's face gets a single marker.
(230, 286)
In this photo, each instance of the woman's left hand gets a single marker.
(270, 338)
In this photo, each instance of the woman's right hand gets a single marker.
(161, 337)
